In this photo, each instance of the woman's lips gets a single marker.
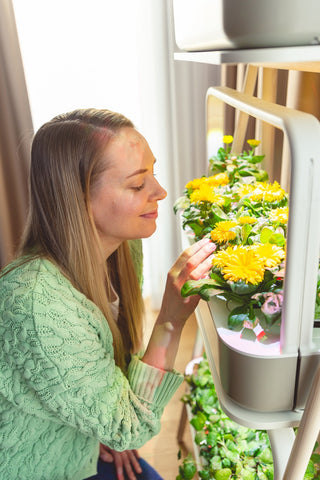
(152, 215)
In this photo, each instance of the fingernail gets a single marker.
(210, 247)
(204, 240)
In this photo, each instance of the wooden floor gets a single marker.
(162, 451)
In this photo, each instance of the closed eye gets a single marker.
(138, 188)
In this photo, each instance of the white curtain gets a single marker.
(174, 123)
(119, 55)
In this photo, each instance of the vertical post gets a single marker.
(249, 85)
(267, 90)
(307, 434)
(281, 441)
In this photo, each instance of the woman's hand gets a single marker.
(194, 263)
(126, 461)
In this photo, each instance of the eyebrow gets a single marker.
(140, 171)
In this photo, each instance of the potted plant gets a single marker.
(246, 217)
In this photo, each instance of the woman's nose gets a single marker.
(159, 192)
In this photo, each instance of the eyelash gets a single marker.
(140, 187)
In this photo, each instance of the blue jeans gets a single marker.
(107, 471)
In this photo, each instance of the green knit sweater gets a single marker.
(60, 391)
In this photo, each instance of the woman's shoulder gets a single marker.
(28, 272)
(40, 281)
(41, 293)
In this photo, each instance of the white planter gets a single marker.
(231, 24)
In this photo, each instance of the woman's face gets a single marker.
(124, 200)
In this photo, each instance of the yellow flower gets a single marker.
(218, 179)
(222, 232)
(262, 191)
(240, 263)
(253, 143)
(221, 257)
(279, 215)
(206, 194)
(245, 189)
(273, 192)
(246, 219)
(212, 181)
(270, 254)
(195, 183)
(227, 139)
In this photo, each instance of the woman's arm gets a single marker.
(194, 263)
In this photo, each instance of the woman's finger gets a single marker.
(105, 453)
(134, 461)
(188, 252)
(126, 461)
(195, 265)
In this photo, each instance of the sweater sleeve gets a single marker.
(69, 366)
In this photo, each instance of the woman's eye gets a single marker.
(137, 189)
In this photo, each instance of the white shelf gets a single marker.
(305, 58)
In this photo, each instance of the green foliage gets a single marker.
(227, 450)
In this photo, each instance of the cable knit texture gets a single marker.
(60, 391)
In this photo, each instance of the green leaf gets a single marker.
(200, 437)
(237, 316)
(265, 235)
(269, 236)
(223, 474)
(196, 287)
(310, 472)
(188, 470)
(261, 176)
(215, 462)
(212, 438)
(315, 457)
(247, 474)
(245, 231)
(266, 456)
(242, 288)
(233, 456)
(198, 421)
(278, 239)
(204, 474)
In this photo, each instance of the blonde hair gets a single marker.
(67, 157)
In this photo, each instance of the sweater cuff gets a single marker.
(152, 384)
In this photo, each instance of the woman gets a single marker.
(71, 378)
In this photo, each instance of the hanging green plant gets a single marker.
(227, 451)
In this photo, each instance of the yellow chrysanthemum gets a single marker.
(218, 179)
(274, 192)
(241, 263)
(253, 142)
(279, 215)
(195, 183)
(262, 191)
(206, 194)
(246, 219)
(245, 189)
(222, 256)
(222, 232)
(212, 181)
(270, 254)
(227, 139)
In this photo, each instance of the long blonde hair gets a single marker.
(67, 157)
